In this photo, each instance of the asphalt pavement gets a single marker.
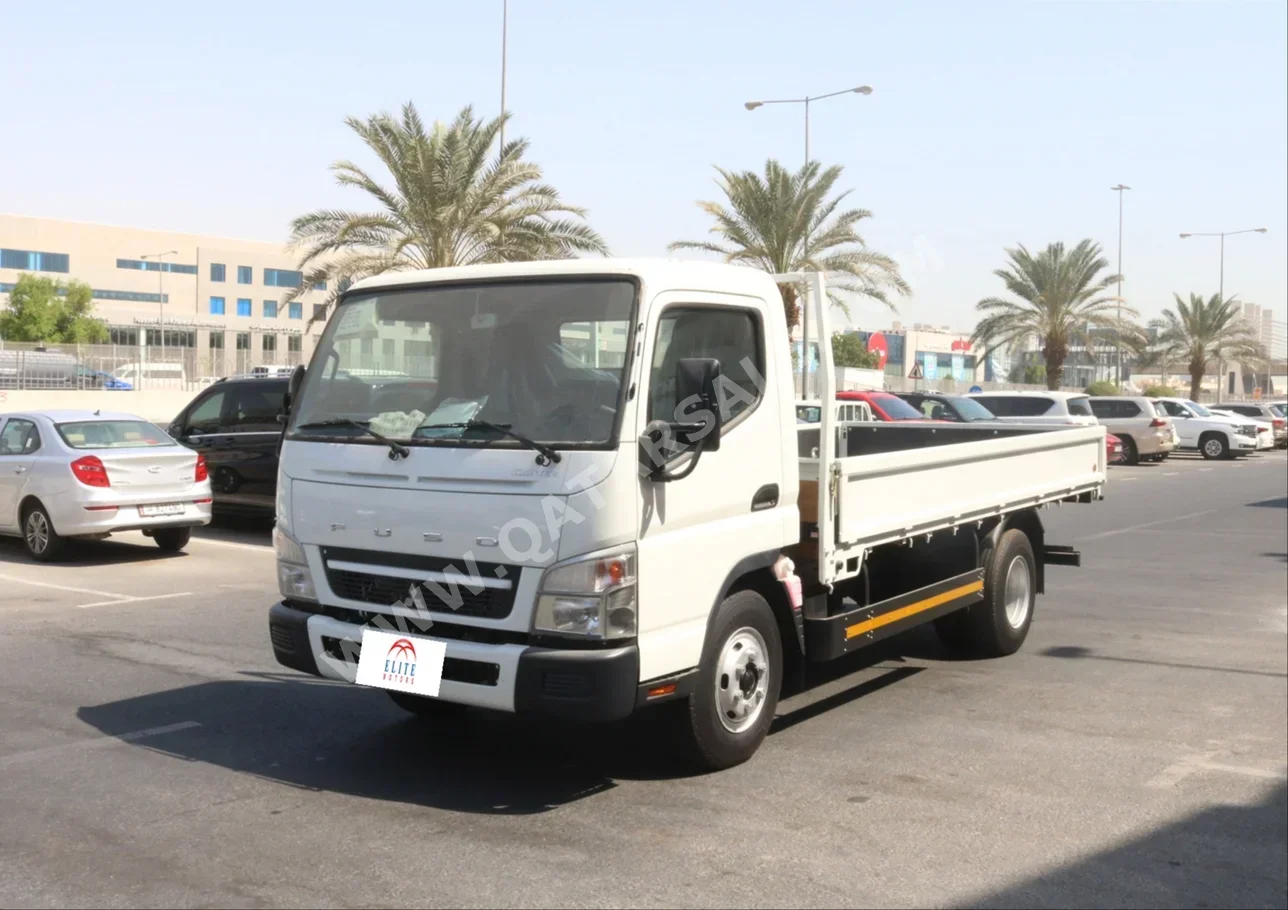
(152, 752)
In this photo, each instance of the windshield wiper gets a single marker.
(545, 454)
(396, 450)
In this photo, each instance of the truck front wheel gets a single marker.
(736, 693)
(998, 624)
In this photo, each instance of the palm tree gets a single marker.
(780, 223)
(1205, 330)
(1061, 298)
(452, 202)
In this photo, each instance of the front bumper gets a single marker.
(588, 685)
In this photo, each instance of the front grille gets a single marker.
(386, 590)
(455, 669)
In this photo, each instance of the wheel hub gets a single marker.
(1017, 592)
(742, 680)
(37, 532)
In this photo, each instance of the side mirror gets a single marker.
(293, 388)
(695, 390)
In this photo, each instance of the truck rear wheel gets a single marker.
(998, 624)
(736, 693)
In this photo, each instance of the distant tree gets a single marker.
(1205, 330)
(848, 350)
(42, 309)
(1060, 294)
(1027, 374)
(1160, 391)
(451, 201)
(786, 222)
(1103, 387)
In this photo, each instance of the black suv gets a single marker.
(234, 424)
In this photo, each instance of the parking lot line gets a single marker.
(45, 584)
(1148, 524)
(96, 743)
(133, 600)
(257, 547)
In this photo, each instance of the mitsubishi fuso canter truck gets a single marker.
(580, 488)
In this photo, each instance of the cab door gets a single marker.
(19, 441)
(694, 531)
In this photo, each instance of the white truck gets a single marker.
(585, 492)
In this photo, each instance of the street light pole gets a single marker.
(160, 261)
(1220, 367)
(751, 106)
(1118, 379)
(505, 19)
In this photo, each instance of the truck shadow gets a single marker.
(1219, 856)
(320, 736)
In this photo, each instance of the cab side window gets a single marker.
(204, 418)
(19, 437)
(731, 335)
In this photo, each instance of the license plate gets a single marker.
(401, 662)
(167, 508)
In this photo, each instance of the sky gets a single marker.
(990, 124)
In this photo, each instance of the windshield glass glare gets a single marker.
(542, 359)
(1197, 408)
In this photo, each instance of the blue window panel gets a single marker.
(147, 265)
(244, 275)
(99, 294)
(296, 310)
(216, 306)
(283, 278)
(270, 309)
(31, 261)
(218, 272)
(243, 306)
(319, 285)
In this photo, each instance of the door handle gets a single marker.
(20, 470)
(766, 497)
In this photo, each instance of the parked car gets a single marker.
(70, 474)
(846, 412)
(1146, 433)
(1113, 449)
(87, 378)
(1062, 408)
(269, 369)
(234, 424)
(1261, 411)
(153, 375)
(943, 406)
(1265, 429)
(884, 405)
(1211, 434)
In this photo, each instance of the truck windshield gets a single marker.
(434, 366)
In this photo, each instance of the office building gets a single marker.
(222, 303)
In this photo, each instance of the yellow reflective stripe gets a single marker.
(895, 615)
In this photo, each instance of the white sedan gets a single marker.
(89, 473)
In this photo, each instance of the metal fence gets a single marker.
(26, 365)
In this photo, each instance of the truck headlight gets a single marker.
(294, 580)
(589, 597)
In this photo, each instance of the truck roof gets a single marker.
(665, 273)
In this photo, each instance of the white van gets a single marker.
(153, 375)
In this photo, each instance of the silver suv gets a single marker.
(1146, 432)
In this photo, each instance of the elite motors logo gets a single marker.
(400, 663)
(393, 660)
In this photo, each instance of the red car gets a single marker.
(1113, 449)
(885, 406)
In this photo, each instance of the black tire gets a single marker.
(744, 624)
(423, 707)
(1214, 446)
(984, 628)
(43, 543)
(172, 540)
(1130, 454)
